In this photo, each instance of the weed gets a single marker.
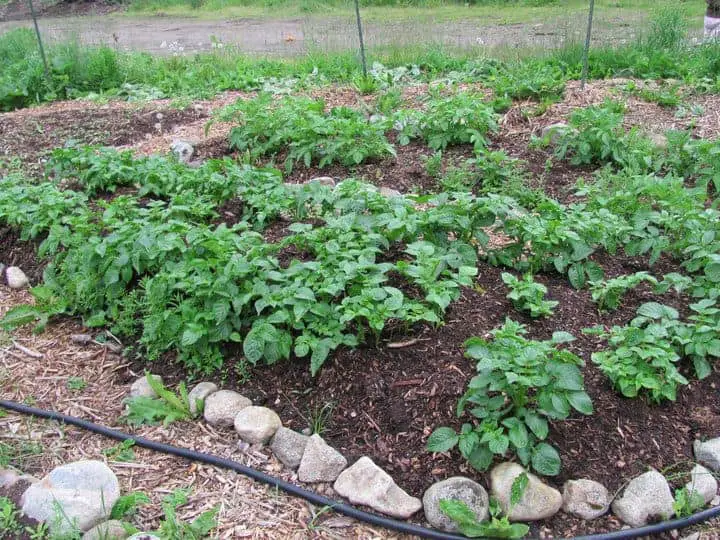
(120, 452)
(76, 384)
(167, 407)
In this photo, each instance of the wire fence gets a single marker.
(564, 23)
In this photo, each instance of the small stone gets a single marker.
(8, 478)
(324, 180)
(659, 141)
(182, 150)
(703, 482)
(288, 446)
(143, 536)
(306, 431)
(159, 116)
(257, 425)
(83, 492)
(108, 530)
(539, 501)
(16, 278)
(223, 406)
(367, 484)
(706, 453)
(693, 536)
(199, 394)
(585, 499)
(389, 192)
(142, 388)
(320, 462)
(555, 132)
(81, 339)
(455, 488)
(646, 498)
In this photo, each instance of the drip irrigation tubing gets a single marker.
(320, 500)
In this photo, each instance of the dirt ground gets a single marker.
(93, 23)
(381, 401)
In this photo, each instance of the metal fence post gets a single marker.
(586, 52)
(360, 35)
(40, 43)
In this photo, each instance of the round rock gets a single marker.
(455, 488)
(703, 482)
(143, 536)
(320, 461)
(182, 150)
(16, 278)
(83, 493)
(708, 453)
(257, 425)
(288, 446)
(142, 388)
(585, 499)
(198, 394)
(324, 180)
(389, 192)
(646, 498)
(108, 530)
(223, 406)
(366, 483)
(539, 501)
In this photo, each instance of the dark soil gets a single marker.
(31, 138)
(15, 252)
(384, 401)
(14, 493)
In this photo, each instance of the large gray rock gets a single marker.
(708, 453)
(108, 530)
(586, 499)
(539, 501)
(389, 192)
(223, 406)
(76, 495)
(288, 446)
(182, 150)
(703, 482)
(367, 484)
(257, 425)
(320, 462)
(199, 394)
(324, 180)
(456, 488)
(645, 498)
(141, 387)
(16, 278)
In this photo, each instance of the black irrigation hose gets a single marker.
(314, 498)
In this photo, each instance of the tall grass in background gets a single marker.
(75, 70)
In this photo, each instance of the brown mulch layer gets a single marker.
(15, 252)
(30, 135)
(17, 10)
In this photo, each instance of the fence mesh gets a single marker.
(513, 31)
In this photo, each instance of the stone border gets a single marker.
(641, 500)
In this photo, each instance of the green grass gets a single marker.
(78, 70)
(480, 11)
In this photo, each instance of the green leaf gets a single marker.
(517, 490)
(254, 345)
(546, 460)
(538, 425)
(442, 439)
(581, 402)
(576, 275)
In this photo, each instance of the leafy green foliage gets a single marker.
(687, 502)
(166, 407)
(172, 527)
(527, 295)
(467, 522)
(127, 505)
(521, 385)
(121, 452)
(641, 356)
(311, 135)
